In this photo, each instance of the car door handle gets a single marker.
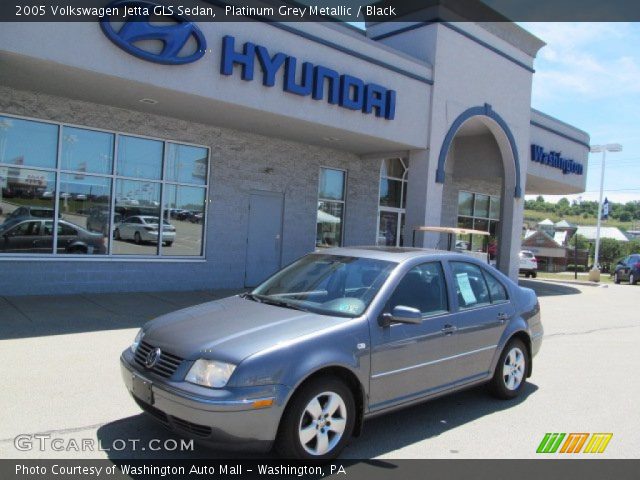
(448, 329)
(503, 317)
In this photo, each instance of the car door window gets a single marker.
(66, 230)
(423, 288)
(497, 291)
(26, 229)
(471, 287)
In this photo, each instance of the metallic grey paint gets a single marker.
(276, 349)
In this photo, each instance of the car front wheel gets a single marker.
(318, 422)
(511, 371)
(632, 279)
(617, 277)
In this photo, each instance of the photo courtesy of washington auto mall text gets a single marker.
(308, 239)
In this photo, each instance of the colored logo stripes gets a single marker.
(574, 443)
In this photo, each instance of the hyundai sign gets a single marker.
(320, 82)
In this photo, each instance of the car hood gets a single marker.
(232, 329)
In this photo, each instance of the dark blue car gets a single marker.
(628, 269)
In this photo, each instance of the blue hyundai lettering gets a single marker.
(173, 37)
(315, 80)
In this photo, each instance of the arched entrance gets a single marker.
(479, 168)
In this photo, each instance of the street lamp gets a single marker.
(594, 274)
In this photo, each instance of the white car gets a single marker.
(144, 228)
(528, 264)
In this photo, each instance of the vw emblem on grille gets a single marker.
(175, 39)
(152, 358)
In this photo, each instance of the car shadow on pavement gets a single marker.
(548, 289)
(380, 435)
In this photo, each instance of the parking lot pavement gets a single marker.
(61, 377)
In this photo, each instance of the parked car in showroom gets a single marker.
(34, 235)
(628, 269)
(145, 228)
(30, 211)
(528, 264)
(333, 339)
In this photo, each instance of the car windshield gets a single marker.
(326, 284)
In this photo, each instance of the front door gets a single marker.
(264, 241)
(409, 361)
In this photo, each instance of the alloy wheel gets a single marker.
(322, 423)
(513, 368)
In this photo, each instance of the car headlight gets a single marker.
(137, 340)
(210, 373)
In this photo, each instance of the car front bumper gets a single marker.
(225, 420)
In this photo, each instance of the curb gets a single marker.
(572, 282)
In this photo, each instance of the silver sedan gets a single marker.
(339, 336)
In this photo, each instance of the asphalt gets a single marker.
(61, 378)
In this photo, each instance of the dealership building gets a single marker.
(260, 142)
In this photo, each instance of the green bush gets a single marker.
(572, 268)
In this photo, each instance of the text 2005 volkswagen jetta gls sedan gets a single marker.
(334, 338)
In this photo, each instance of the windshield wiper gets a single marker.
(250, 296)
(280, 303)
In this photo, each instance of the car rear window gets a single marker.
(42, 213)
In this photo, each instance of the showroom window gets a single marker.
(331, 204)
(478, 211)
(392, 201)
(92, 192)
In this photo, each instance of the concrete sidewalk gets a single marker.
(34, 316)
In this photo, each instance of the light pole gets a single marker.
(594, 274)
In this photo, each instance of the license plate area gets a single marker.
(141, 389)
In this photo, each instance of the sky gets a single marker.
(588, 75)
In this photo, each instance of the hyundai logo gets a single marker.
(174, 38)
(152, 358)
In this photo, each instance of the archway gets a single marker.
(479, 168)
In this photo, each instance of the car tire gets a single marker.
(511, 370)
(534, 274)
(632, 279)
(137, 238)
(617, 278)
(308, 417)
(116, 234)
(168, 244)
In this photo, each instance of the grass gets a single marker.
(533, 216)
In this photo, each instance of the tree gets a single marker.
(632, 246)
(610, 250)
(583, 243)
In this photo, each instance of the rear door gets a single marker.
(410, 361)
(484, 309)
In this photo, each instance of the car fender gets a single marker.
(346, 346)
(515, 326)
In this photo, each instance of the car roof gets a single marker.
(393, 254)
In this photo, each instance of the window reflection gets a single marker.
(186, 164)
(331, 202)
(184, 209)
(86, 150)
(24, 142)
(138, 205)
(25, 194)
(140, 157)
(85, 201)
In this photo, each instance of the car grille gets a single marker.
(166, 365)
(192, 428)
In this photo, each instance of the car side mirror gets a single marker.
(401, 314)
